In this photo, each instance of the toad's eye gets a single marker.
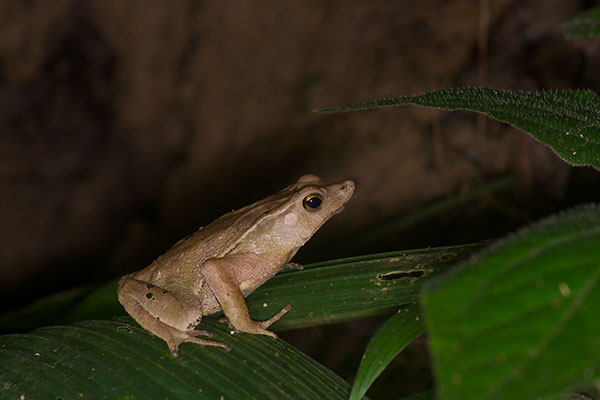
(312, 202)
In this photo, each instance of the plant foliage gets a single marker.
(566, 120)
(389, 340)
(583, 26)
(523, 317)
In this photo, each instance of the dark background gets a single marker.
(125, 125)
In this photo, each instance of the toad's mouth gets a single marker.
(339, 210)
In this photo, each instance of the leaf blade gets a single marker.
(353, 287)
(117, 359)
(585, 25)
(521, 321)
(568, 121)
(321, 293)
(389, 340)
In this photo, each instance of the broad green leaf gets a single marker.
(576, 396)
(583, 26)
(389, 340)
(430, 395)
(326, 292)
(117, 359)
(566, 120)
(320, 293)
(351, 288)
(521, 320)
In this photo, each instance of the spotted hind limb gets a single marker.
(168, 315)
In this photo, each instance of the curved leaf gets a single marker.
(583, 26)
(351, 288)
(117, 359)
(521, 319)
(389, 340)
(326, 292)
(566, 120)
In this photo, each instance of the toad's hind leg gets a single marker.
(170, 317)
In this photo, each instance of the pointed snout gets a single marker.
(346, 188)
(343, 192)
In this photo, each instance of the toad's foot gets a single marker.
(178, 337)
(260, 327)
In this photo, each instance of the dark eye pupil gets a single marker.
(313, 202)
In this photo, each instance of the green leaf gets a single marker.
(520, 321)
(351, 288)
(122, 360)
(583, 26)
(325, 292)
(576, 396)
(430, 395)
(566, 120)
(117, 359)
(389, 340)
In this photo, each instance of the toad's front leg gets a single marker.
(220, 277)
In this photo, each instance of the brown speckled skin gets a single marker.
(218, 266)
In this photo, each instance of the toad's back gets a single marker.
(183, 260)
